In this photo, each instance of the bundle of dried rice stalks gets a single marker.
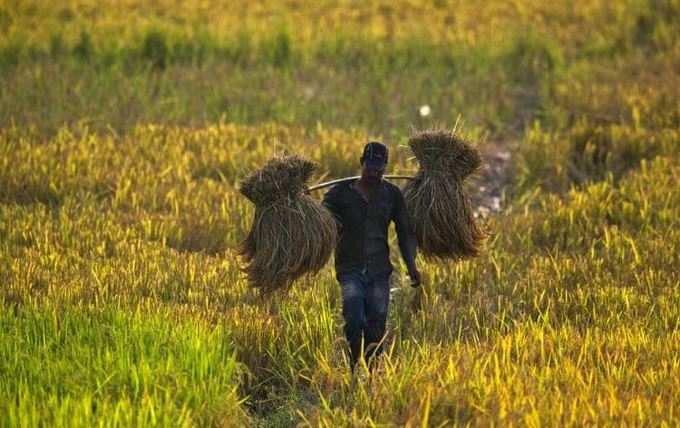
(444, 221)
(292, 234)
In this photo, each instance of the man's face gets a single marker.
(372, 173)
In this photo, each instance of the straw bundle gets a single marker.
(292, 234)
(436, 200)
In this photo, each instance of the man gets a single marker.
(364, 209)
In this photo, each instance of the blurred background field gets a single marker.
(125, 127)
(499, 64)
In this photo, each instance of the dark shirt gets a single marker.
(363, 226)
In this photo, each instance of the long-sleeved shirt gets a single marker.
(363, 227)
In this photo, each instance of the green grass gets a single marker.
(124, 132)
(68, 367)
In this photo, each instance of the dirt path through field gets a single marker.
(488, 186)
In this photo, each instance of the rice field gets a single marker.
(125, 128)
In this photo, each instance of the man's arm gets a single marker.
(331, 201)
(406, 236)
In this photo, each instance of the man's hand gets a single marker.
(415, 276)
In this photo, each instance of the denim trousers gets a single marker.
(365, 300)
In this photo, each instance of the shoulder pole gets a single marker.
(356, 177)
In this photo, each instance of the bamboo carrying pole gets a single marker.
(356, 177)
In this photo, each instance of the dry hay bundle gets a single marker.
(436, 200)
(292, 234)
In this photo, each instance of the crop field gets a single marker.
(126, 126)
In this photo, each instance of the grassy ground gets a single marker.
(190, 63)
(125, 128)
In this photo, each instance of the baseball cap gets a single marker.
(375, 155)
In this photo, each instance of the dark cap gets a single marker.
(375, 155)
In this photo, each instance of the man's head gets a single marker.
(373, 161)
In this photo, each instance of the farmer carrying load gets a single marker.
(293, 234)
(364, 209)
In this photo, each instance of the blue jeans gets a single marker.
(365, 300)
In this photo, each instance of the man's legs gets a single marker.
(353, 311)
(377, 302)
